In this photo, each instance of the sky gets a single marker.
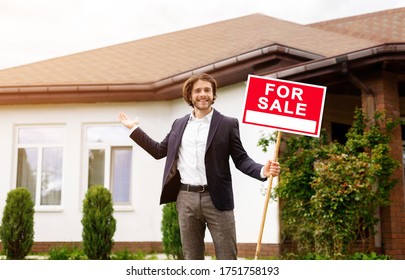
(36, 30)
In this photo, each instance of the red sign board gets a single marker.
(284, 105)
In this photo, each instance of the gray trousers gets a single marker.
(196, 212)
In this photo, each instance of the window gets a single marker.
(108, 160)
(39, 163)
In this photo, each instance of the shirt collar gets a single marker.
(207, 117)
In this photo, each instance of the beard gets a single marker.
(203, 104)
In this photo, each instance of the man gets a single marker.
(197, 174)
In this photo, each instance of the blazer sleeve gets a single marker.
(240, 157)
(156, 149)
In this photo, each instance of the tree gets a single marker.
(17, 230)
(98, 222)
(171, 232)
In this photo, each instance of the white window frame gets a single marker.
(107, 147)
(40, 146)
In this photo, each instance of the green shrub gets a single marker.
(59, 253)
(330, 192)
(17, 230)
(171, 232)
(354, 256)
(127, 255)
(98, 223)
(370, 256)
(74, 253)
(66, 253)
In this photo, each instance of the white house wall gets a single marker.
(140, 221)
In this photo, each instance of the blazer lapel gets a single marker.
(215, 121)
(172, 156)
(180, 131)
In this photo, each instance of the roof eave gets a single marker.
(328, 65)
(164, 89)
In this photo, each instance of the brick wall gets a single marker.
(245, 250)
(386, 98)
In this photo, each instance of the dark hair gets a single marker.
(188, 86)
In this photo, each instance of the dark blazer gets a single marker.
(223, 141)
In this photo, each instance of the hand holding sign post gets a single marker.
(285, 106)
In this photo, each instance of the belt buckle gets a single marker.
(203, 189)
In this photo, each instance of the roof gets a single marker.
(156, 58)
(392, 55)
(138, 70)
(384, 27)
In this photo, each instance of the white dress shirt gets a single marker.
(191, 163)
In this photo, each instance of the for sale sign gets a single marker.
(284, 105)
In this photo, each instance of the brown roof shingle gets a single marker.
(153, 59)
(384, 27)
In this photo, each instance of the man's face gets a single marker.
(202, 95)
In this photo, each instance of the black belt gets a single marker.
(193, 188)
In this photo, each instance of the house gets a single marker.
(60, 132)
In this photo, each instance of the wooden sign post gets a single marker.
(267, 198)
(285, 106)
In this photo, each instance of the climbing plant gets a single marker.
(330, 192)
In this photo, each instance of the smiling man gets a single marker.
(197, 173)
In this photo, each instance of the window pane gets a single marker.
(106, 134)
(96, 167)
(121, 174)
(41, 135)
(51, 180)
(27, 170)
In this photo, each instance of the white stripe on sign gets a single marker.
(280, 121)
